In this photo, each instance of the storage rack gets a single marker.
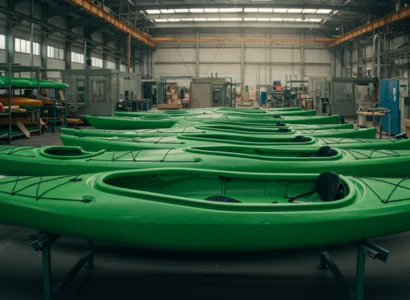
(10, 69)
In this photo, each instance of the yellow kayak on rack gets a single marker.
(19, 101)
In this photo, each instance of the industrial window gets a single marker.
(56, 53)
(96, 62)
(110, 65)
(77, 58)
(2, 41)
(23, 46)
(123, 68)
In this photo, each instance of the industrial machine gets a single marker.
(97, 91)
(394, 95)
(211, 92)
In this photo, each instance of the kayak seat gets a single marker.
(222, 199)
(330, 187)
(280, 124)
(283, 130)
(326, 151)
(299, 139)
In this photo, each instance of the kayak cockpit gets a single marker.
(236, 129)
(238, 139)
(214, 188)
(324, 152)
(67, 152)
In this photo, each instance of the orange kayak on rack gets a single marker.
(19, 101)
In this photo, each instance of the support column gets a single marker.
(44, 40)
(360, 61)
(68, 44)
(334, 63)
(343, 62)
(129, 53)
(118, 58)
(270, 60)
(302, 57)
(197, 55)
(10, 33)
(243, 64)
(104, 54)
(31, 9)
(152, 64)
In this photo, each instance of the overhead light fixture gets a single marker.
(280, 10)
(295, 10)
(213, 19)
(324, 21)
(196, 10)
(251, 10)
(167, 11)
(174, 20)
(315, 20)
(302, 20)
(161, 20)
(211, 10)
(199, 19)
(187, 20)
(289, 20)
(335, 12)
(231, 19)
(265, 10)
(249, 19)
(276, 19)
(323, 11)
(263, 19)
(309, 11)
(230, 10)
(338, 28)
(153, 11)
(181, 10)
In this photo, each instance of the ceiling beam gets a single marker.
(352, 8)
(379, 23)
(248, 15)
(167, 40)
(119, 24)
(237, 25)
(85, 22)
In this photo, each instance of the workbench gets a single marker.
(374, 114)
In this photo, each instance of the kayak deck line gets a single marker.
(395, 187)
(12, 150)
(40, 196)
(356, 152)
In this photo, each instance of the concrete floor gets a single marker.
(126, 273)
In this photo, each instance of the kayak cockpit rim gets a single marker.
(67, 152)
(237, 129)
(104, 182)
(235, 139)
(295, 154)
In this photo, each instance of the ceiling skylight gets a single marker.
(200, 20)
(161, 20)
(280, 10)
(295, 10)
(174, 20)
(167, 11)
(211, 10)
(323, 11)
(231, 19)
(181, 10)
(153, 11)
(196, 10)
(251, 10)
(213, 19)
(265, 10)
(230, 10)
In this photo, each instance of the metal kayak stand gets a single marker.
(364, 248)
(42, 241)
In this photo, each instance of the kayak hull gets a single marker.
(57, 160)
(348, 133)
(167, 122)
(169, 217)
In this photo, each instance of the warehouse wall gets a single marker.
(263, 63)
(55, 39)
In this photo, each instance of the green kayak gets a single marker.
(262, 114)
(257, 110)
(156, 122)
(21, 82)
(60, 160)
(192, 140)
(206, 210)
(209, 129)
(269, 126)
